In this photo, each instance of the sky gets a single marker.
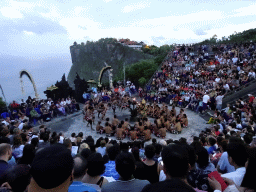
(36, 35)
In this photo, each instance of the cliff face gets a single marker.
(88, 59)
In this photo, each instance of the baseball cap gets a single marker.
(52, 166)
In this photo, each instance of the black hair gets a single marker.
(95, 164)
(247, 138)
(125, 165)
(28, 154)
(212, 141)
(202, 157)
(237, 151)
(158, 148)
(85, 153)
(73, 135)
(248, 180)
(34, 141)
(136, 154)
(150, 151)
(113, 151)
(176, 160)
(18, 177)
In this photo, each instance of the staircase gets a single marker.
(241, 92)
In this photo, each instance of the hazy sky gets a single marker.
(43, 30)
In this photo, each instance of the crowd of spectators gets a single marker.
(186, 77)
(40, 160)
(37, 159)
(37, 111)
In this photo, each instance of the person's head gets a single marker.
(17, 141)
(150, 151)
(34, 141)
(80, 166)
(248, 180)
(136, 153)
(67, 143)
(103, 143)
(237, 154)
(28, 154)
(51, 169)
(85, 153)
(95, 165)
(80, 134)
(83, 146)
(113, 151)
(212, 141)
(158, 148)
(18, 177)
(125, 165)
(202, 157)
(176, 161)
(5, 151)
(73, 135)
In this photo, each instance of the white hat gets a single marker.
(249, 95)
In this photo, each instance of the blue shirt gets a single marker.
(78, 186)
(211, 149)
(110, 170)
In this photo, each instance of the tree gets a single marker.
(2, 105)
(142, 81)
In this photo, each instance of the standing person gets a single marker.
(206, 99)
(219, 101)
(125, 166)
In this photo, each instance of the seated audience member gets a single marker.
(150, 169)
(51, 169)
(212, 147)
(223, 165)
(176, 167)
(17, 147)
(5, 156)
(17, 178)
(80, 166)
(199, 174)
(110, 171)
(237, 156)
(248, 183)
(125, 166)
(28, 155)
(44, 140)
(102, 148)
(95, 168)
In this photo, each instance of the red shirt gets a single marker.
(14, 105)
(251, 99)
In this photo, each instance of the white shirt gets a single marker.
(206, 98)
(217, 79)
(68, 101)
(5, 122)
(61, 139)
(101, 150)
(237, 175)
(234, 59)
(219, 99)
(63, 103)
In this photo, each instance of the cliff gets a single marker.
(88, 59)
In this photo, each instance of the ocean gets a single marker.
(45, 70)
